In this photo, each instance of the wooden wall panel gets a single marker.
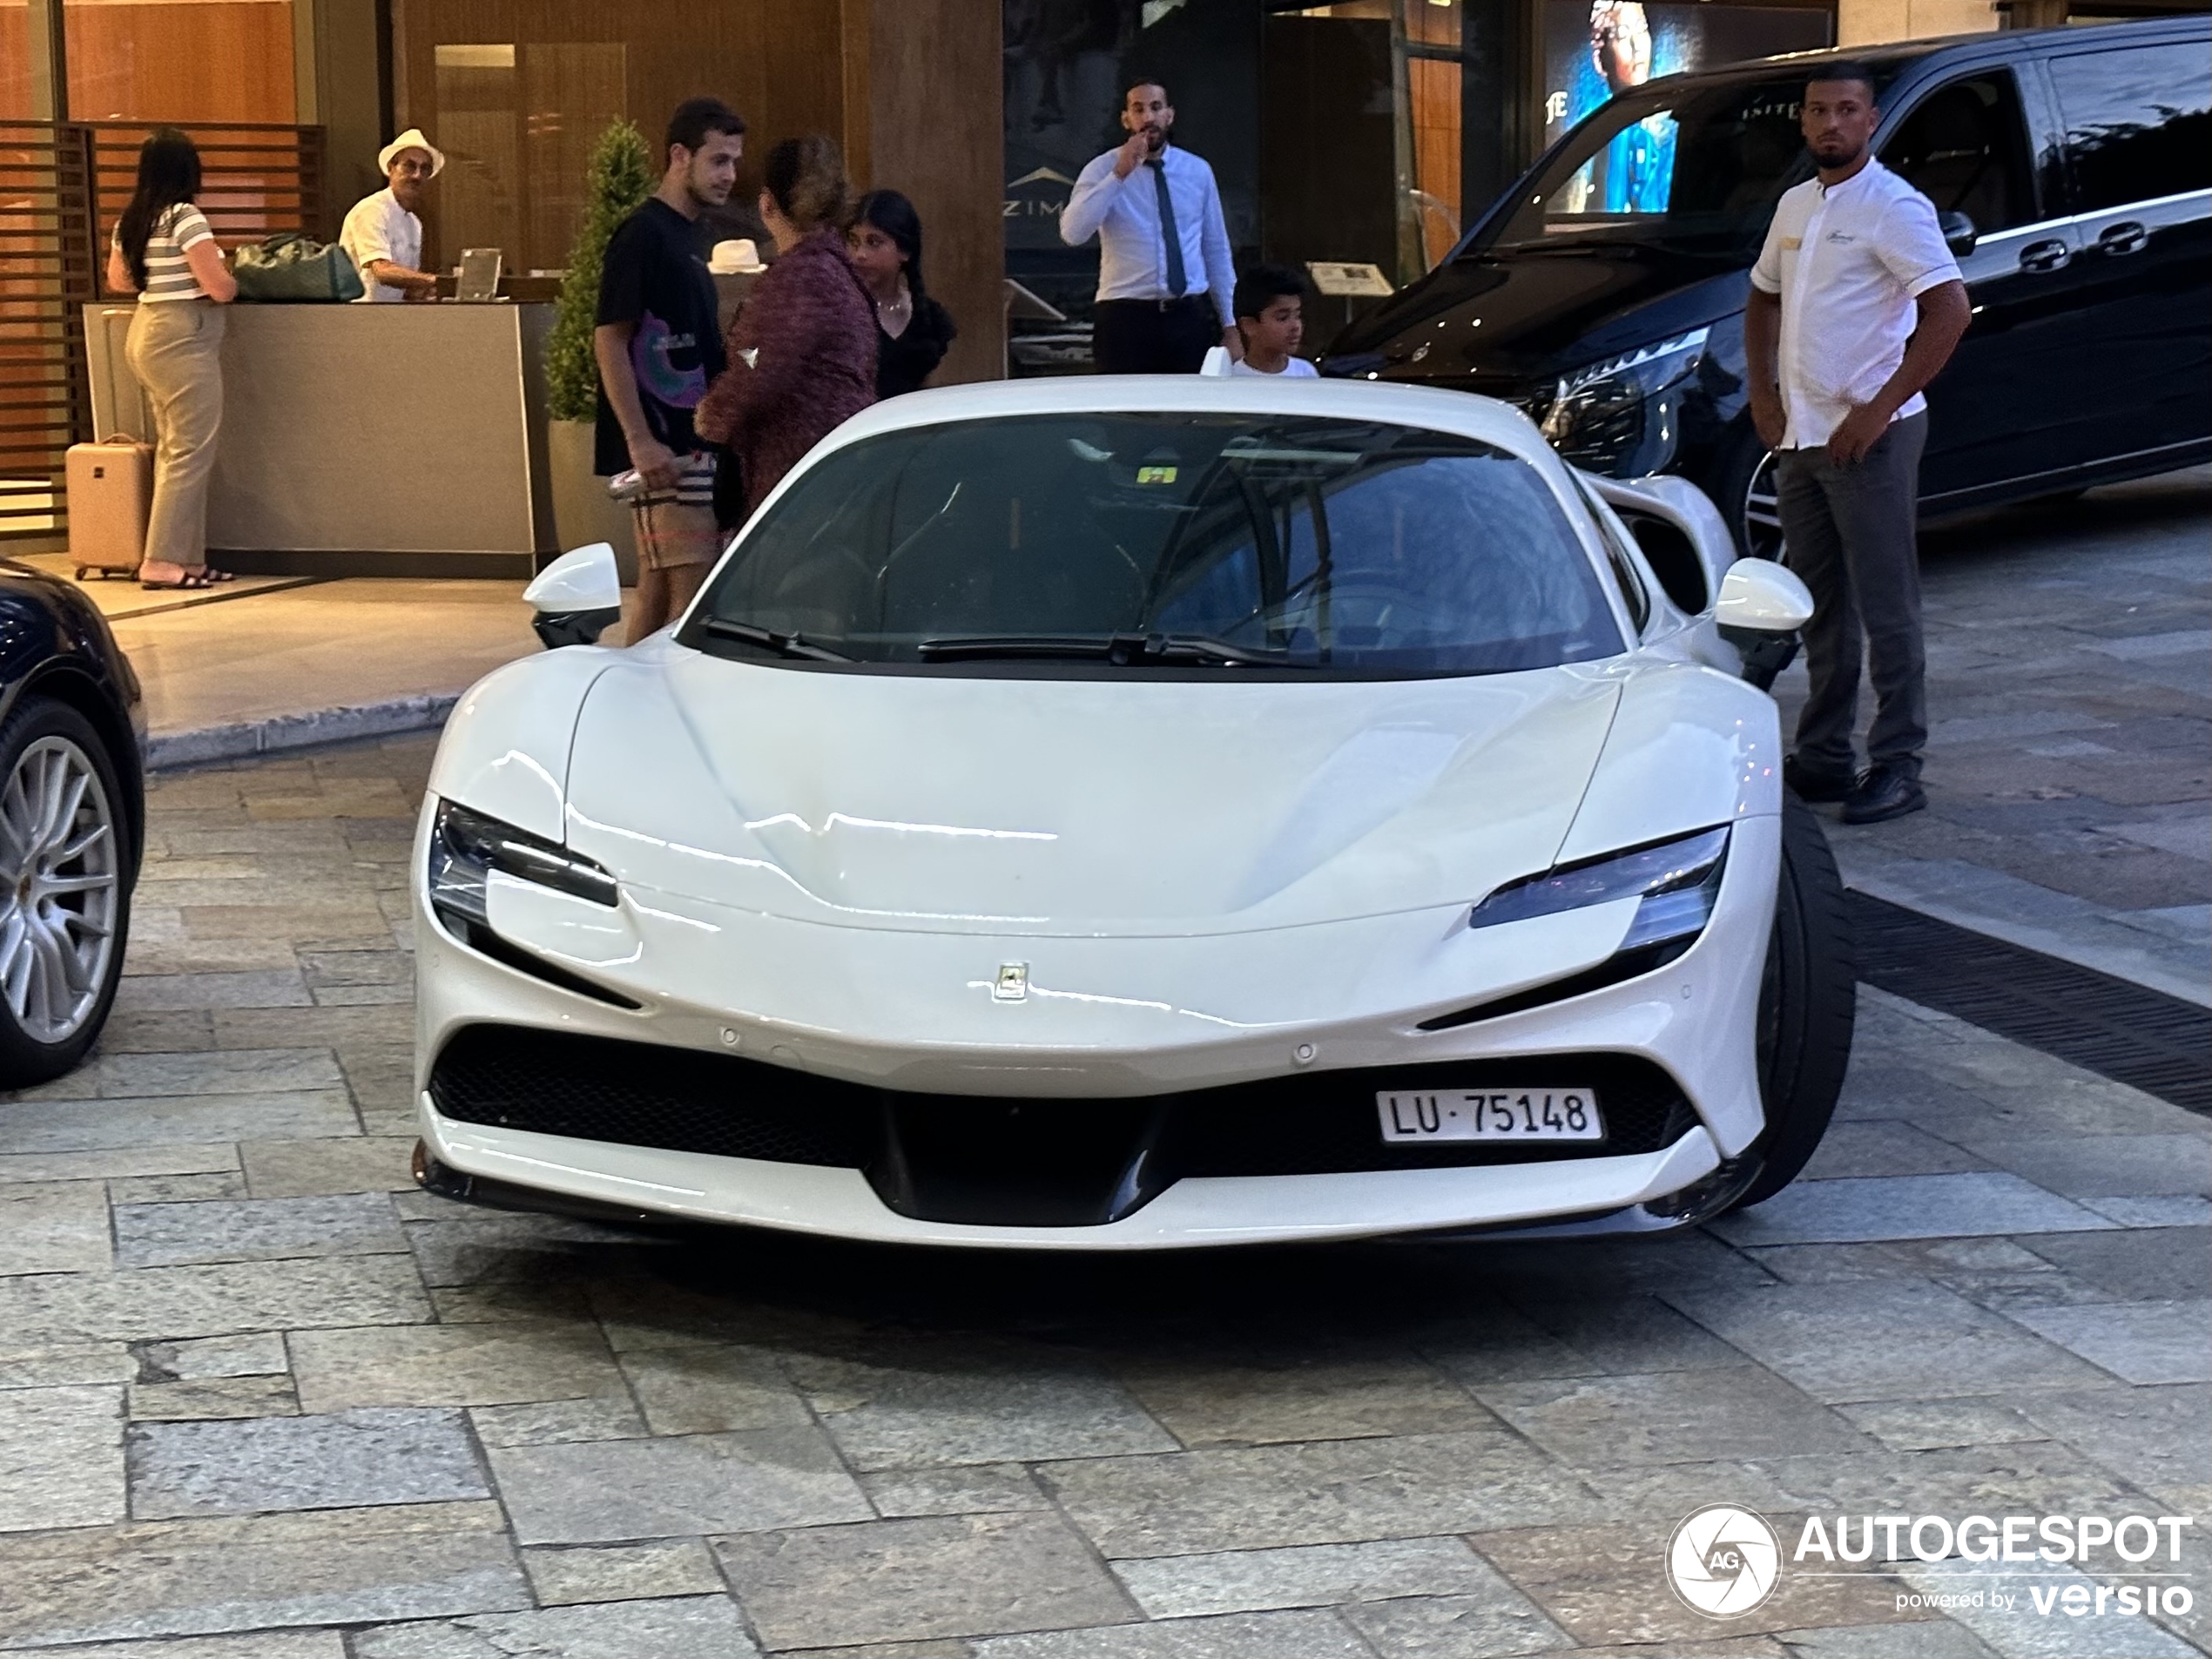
(780, 65)
(199, 61)
(935, 130)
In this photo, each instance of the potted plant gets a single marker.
(620, 178)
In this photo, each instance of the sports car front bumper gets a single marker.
(1106, 1024)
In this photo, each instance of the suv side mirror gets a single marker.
(1958, 233)
(577, 597)
(1761, 608)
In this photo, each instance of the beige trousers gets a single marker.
(175, 349)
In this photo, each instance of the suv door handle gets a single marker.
(2049, 255)
(2126, 237)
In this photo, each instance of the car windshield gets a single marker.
(1236, 542)
(1697, 167)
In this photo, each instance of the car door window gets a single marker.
(2138, 122)
(1965, 148)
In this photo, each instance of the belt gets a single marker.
(1161, 305)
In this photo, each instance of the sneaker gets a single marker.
(1883, 792)
(1816, 783)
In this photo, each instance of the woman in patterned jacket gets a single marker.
(802, 352)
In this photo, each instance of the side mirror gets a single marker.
(1958, 233)
(1761, 608)
(577, 597)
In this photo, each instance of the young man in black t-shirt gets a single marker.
(659, 346)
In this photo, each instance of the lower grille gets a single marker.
(995, 1160)
(640, 1094)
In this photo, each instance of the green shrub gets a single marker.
(621, 177)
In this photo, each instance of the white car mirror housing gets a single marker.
(576, 597)
(1760, 596)
(1761, 608)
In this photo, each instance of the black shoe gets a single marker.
(1883, 792)
(1816, 783)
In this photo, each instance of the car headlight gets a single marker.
(466, 846)
(1677, 880)
(1603, 415)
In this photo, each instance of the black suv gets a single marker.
(2072, 169)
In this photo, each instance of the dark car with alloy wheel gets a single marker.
(73, 818)
(2072, 171)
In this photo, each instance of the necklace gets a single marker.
(894, 314)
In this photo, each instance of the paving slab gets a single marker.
(2139, 1342)
(61, 1457)
(589, 1491)
(337, 1461)
(693, 1626)
(506, 1363)
(1247, 1580)
(948, 1576)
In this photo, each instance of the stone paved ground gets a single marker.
(2070, 755)
(260, 1400)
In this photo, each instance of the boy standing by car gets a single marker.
(658, 345)
(1856, 305)
(1271, 315)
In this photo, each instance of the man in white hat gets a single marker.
(383, 234)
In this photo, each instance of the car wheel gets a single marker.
(65, 912)
(1746, 491)
(1807, 1000)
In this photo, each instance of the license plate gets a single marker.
(1491, 1115)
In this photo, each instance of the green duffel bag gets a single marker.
(293, 269)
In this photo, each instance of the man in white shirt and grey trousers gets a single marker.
(1856, 304)
(1165, 273)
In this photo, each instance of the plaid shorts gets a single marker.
(676, 527)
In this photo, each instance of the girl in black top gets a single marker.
(912, 329)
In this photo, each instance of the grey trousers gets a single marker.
(1850, 535)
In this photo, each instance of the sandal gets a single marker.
(190, 580)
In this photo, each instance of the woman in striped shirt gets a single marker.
(164, 253)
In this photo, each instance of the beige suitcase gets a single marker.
(111, 494)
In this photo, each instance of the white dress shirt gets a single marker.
(1124, 214)
(1848, 261)
(379, 228)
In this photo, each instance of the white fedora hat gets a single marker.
(411, 140)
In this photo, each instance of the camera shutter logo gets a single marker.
(1723, 1561)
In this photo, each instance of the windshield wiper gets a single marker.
(1122, 650)
(749, 633)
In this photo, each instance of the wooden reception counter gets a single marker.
(367, 439)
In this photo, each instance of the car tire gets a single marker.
(66, 860)
(1808, 1004)
(1744, 489)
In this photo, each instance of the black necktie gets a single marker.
(1173, 238)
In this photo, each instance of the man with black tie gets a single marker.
(1165, 275)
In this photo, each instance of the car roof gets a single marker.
(1998, 44)
(1429, 408)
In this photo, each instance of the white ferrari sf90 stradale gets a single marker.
(1125, 813)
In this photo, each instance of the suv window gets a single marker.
(2138, 122)
(1965, 148)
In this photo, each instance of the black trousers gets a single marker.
(1849, 533)
(1153, 336)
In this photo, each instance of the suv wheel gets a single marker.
(1747, 496)
(65, 911)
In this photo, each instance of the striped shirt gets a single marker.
(167, 276)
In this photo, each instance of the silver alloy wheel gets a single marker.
(58, 859)
(1762, 511)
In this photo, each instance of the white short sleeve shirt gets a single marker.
(379, 228)
(1848, 261)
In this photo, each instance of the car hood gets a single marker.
(1495, 322)
(1101, 806)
